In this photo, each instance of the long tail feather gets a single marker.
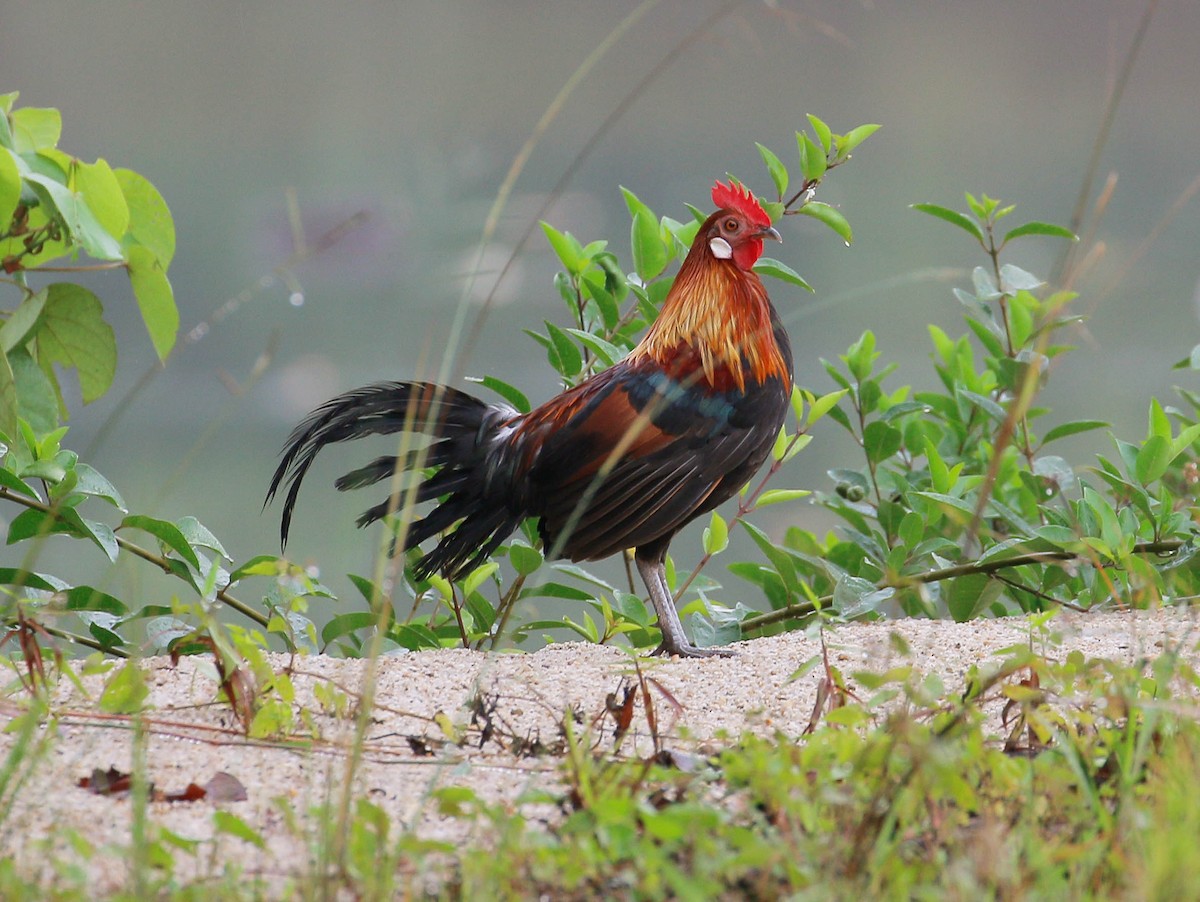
(463, 427)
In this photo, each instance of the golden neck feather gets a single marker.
(719, 316)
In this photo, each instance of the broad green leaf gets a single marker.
(778, 496)
(10, 187)
(881, 441)
(768, 266)
(37, 394)
(512, 395)
(968, 596)
(812, 158)
(14, 483)
(776, 169)
(1073, 428)
(9, 403)
(1013, 278)
(650, 253)
(822, 131)
(150, 223)
(155, 299)
(855, 137)
(166, 532)
(73, 333)
(345, 624)
(819, 407)
(82, 223)
(125, 692)
(1039, 228)
(89, 482)
(716, 535)
(35, 128)
(1153, 459)
(525, 560)
(102, 192)
(14, 576)
(564, 354)
(830, 216)
(565, 245)
(232, 825)
(854, 596)
(199, 536)
(1160, 423)
(85, 598)
(259, 565)
(22, 322)
(968, 225)
(607, 352)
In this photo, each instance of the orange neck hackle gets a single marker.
(716, 318)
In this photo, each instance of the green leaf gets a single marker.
(150, 222)
(166, 532)
(125, 692)
(85, 598)
(155, 299)
(768, 266)
(650, 252)
(10, 187)
(564, 354)
(22, 322)
(968, 225)
(35, 128)
(812, 158)
(345, 624)
(9, 402)
(81, 222)
(73, 333)
(969, 595)
(855, 137)
(1153, 459)
(778, 496)
(512, 395)
(822, 131)
(776, 169)
(716, 535)
(525, 560)
(1039, 228)
(881, 441)
(199, 536)
(37, 395)
(819, 407)
(259, 565)
(1073, 428)
(830, 216)
(89, 482)
(14, 576)
(100, 189)
(607, 352)
(14, 483)
(232, 825)
(565, 245)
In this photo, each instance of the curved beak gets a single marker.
(772, 233)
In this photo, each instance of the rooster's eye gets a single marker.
(730, 225)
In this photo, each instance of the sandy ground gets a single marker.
(698, 703)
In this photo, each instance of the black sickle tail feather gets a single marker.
(473, 466)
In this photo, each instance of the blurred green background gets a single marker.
(412, 113)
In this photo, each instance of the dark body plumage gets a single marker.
(623, 460)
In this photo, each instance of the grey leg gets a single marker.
(674, 640)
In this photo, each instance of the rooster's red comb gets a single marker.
(737, 197)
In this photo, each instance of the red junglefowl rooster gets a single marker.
(623, 460)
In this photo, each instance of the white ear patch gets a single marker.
(720, 248)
